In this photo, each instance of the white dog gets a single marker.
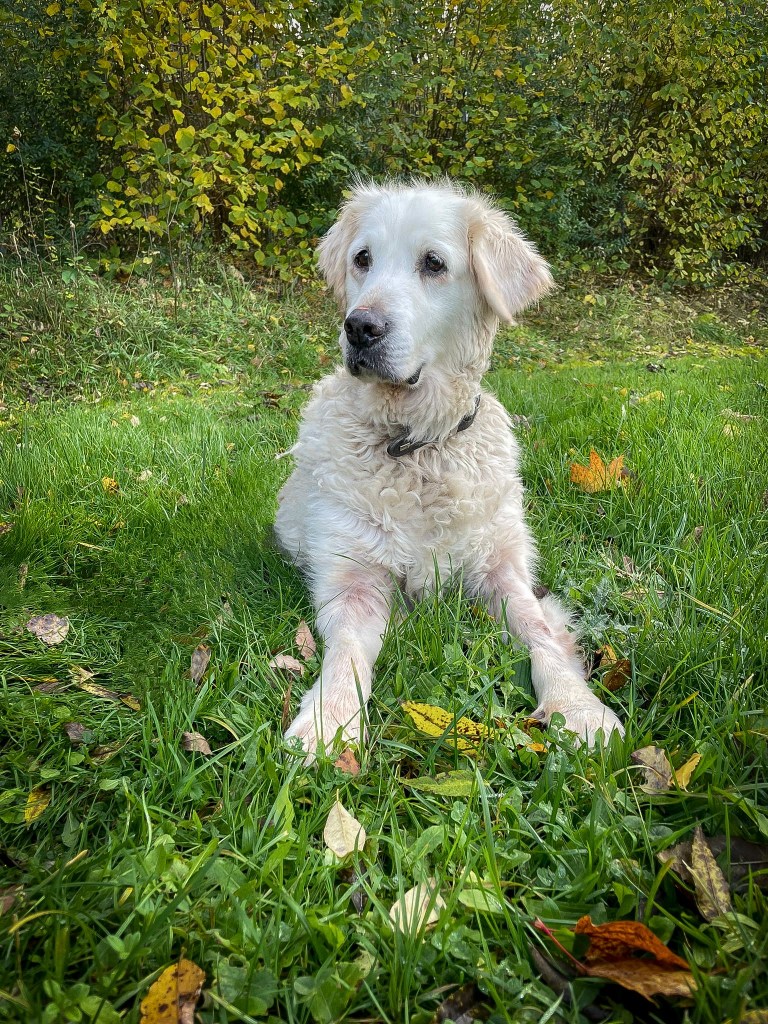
(406, 471)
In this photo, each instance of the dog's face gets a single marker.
(412, 267)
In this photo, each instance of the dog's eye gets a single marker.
(433, 264)
(362, 259)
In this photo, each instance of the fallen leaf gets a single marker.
(6, 528)
(288, 664)
(731, 414)
(110, 486)
(135, 421)
(481, 900)
(450, 784)
(616, 671)
(752, 1017)
(50, 628)
(173, 997)
(418, 908)
(682, 775)
(144, 475)
(101, 691)
(8, 896)
(23, 573)
(629, 566)
(195, 741)
(50, 684)
(657, 769)
(597, 476)
(79, 674)
(37, 801)
(347, 762)
(199, 662)
(713, 897)
(652, 396)
(77, 733)
(748, 861)
(613, 955)
(305, 642)
(342, 833)
(460, 1007)
(463, 733)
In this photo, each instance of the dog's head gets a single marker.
(420, 272)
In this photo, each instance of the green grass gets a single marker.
(147, 853)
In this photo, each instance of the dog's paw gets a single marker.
(586, 718)
(320, 730)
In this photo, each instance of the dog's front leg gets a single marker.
(353, 606)
(557, 670)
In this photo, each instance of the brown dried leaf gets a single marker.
(199, 662)
(713, 897)
(657, 769)
(8, 896)
(195, 741)
(287, 663)
(460, 1006)
(78, 733)
(50, 628)
(305, 642)
(173, 997)
(616, 671)
(613, 954)
(347, 762)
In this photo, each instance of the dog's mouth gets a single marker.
(370, 369)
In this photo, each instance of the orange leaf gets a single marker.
(597, 476)
(347, 762)
(617, 952)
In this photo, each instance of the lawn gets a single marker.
(139, 425)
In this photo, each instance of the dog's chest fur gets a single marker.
(422, 513)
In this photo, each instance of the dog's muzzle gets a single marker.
(365, 328)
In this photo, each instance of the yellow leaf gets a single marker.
(597, 476)
(652, 396)
(52, 9)
(463, 733)
(683, 775)
(173, 997)
(110, 486)
(10, 148)
(713, 896)
(37, 801)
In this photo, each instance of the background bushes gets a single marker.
(628, 134)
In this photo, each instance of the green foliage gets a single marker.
(48, 148)
(616, 133)
(207, 111)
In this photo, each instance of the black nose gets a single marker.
(364, 327)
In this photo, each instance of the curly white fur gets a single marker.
(362, 523)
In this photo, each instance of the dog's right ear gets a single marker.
(332, 253)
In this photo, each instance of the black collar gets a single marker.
(402, 446)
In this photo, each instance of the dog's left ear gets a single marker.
(332, 252)
(509, 271)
